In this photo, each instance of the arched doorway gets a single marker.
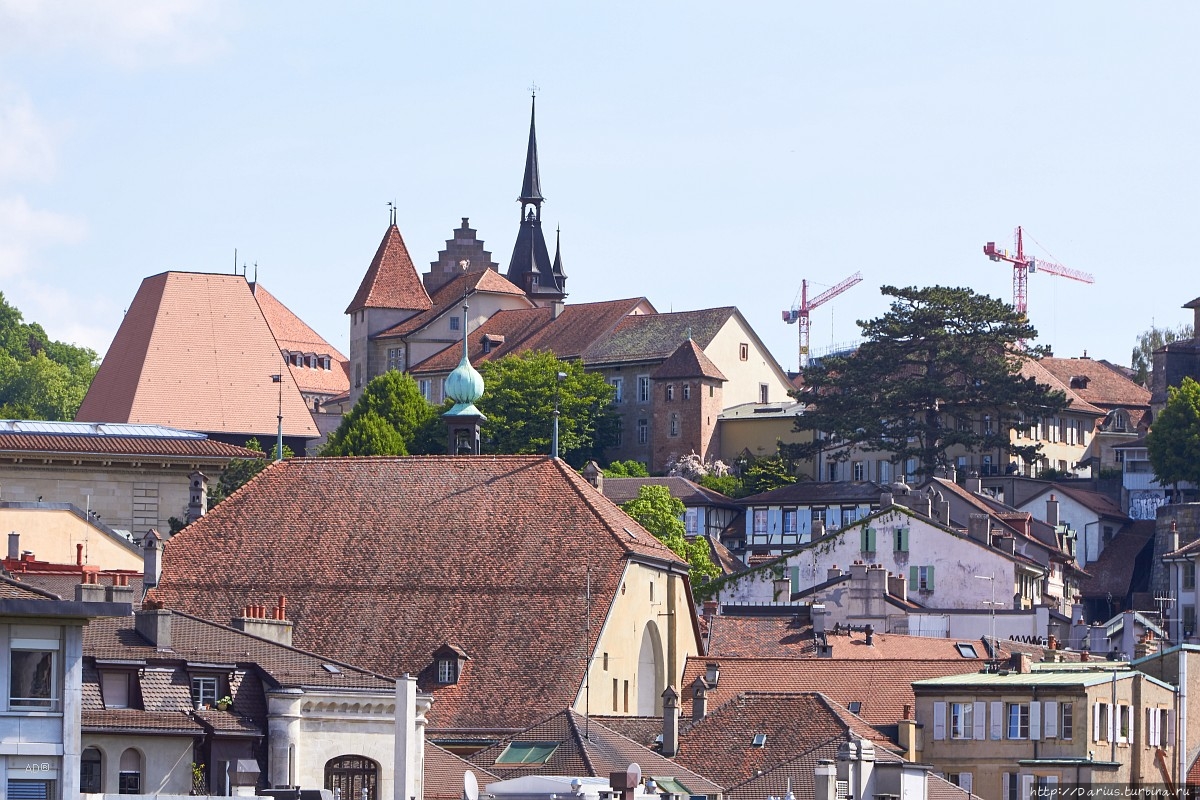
(352, 774)
(651, 675)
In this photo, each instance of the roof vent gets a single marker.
(632, 535)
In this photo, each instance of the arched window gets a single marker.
(91, 771)
(352, 774)
(129, 780)
(651, 675)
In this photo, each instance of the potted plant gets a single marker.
(225, 703)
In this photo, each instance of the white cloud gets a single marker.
(24, 229)
(26, 142)
(131, 33)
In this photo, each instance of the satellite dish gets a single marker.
(470, 786)
(633, 774)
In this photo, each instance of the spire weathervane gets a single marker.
(533, 89)
(392, 212)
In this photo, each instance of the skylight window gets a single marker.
(527, 753)
(966, 650)
(330, 668)
(855, 707)
(760, 740)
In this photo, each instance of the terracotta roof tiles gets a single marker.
(690, 493)
(487, 553)
(653, 337)
(391, 280)
(688, 361)
(1100, 385)
(443, 779)
(450, 295)
(131, 446)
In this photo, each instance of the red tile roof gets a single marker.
(1033, 368)
(1096, 502)
(150, 447)
(391, 280)
(650, 337)
(882, 684)
(444, 771)
(130, 721)
(622, 490)
(1104, 386)
(295, 336)
(450, 295)
(688, 361)
(195, 352)
(588, 748)
(485, 553)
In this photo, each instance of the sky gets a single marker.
(698, 154)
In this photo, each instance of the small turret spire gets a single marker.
(557, 269)
(531, 185)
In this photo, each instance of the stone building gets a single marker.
(1175, 361)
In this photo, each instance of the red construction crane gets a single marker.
(1023, 265)
(799, 311)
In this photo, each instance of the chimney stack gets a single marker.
(1172, 546)
(255, 621)
(151, 558)
(594, 475)
(154, 625)
(825, 780)
(1052, 511)
(712, 673)
(818, 528)
(942, 510)
(898, 586)
(833, 572)
(870, 636)
(88, 591)
(979, 528)
(197, 496)
(699, 699)
(670, 743)
(14, 546)
(886, 500)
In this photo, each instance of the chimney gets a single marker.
(14, 546)
(1172, 546)
(594, 475)
(1008, 544)
(825, 780)
(886, 500)
(120, 591)
(1052, 642)
(856, 766)
(877, 590)
(89, 591)
(973, 483)
(276, 627)
(1052, 511)
(909, 735)
(819, 614)
(197, 496)
(710, 609)
(154, 625)
(781, 590)
(979, 528)
(941, 509)
(151, 558)
(818, 528)
(699, 699)
(833, 572)
(670, 742)
(870, 636)
(898, 586)
(712, 673)
(557, 307)
(1021, 663)
(79, 555)
(923, 505)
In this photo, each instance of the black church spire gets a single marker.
(530, 267)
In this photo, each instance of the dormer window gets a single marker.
(447, 670)
(449, 662)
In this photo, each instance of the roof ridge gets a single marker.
(580, 741)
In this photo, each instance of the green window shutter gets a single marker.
(902, 539)
(871, 539)
(795, 579)
(863, 536)
(912, 579)
(929, 576)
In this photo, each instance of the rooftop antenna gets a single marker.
(235, 261)
(392, 212)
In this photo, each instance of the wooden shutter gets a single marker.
(912, 579)
(1035, 720)
(1112, 713)
(1005, 779)
(939, 721)
(929, 577)
(1050, 723)
(1152, 726)
(1171, 727)
(1096, 721)
(997, 721)
(980, 714)
(795, 579)
(1026, 786)
(965, 781)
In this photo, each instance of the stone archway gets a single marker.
(652, 673)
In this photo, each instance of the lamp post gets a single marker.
(279, 433)
(558, 379)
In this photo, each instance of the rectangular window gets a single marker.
(114, 689)
(831, 470)
(921, 578)
(1189, 621)
(962, 720)
(455, 323)
(669, 392)
(1189, 575)
(618, 430)
(204, 692)
(1066, 726)
(618, 385)
(791, 522)
(643, 384)
(606, 662)
(1018, 721)
(32, 679)
(447, 670)
(673, 428)
(1101, 724)
(744, 351)
(687, 391)
(860, 471)
(643, 431)
(395, 358)
(626, 687)
(764, 393)
(690, 517)
(901, 543)
(760, 522)
(426, 387)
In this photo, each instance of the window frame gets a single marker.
(35, 702)
(1016, 716)
(198, 684)
(962, 721)
(643, 388)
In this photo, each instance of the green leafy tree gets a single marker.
(39, 378)
(728, 485)
(658, 512)
(765, 474)
(1150, 340)
(1173, 444)
(386, 420)
(518, 402)
(237, 472)
(626, 469)
(938, 351)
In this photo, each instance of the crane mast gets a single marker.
(1023, 265)
(799, 312)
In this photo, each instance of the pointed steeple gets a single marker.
(530, 266)
(559, 276)
(531, 186)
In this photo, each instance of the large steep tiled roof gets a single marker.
(653, 337)
(15, 590)
(881, 683)
(403, 555)
(195, 352)
(294, 335)
(1105, 387)
(588, 748)
(450, 295)
(688, 361)
(391, 280)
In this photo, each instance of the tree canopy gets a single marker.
(518, 402)
(1150, 340)
(626, 469)
(392, 418)
(1173, 444)
(658, 512)
(939, 352)
(39, 378)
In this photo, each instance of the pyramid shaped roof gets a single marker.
(391, 280)
(688, 361)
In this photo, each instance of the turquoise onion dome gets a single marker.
(464, 385)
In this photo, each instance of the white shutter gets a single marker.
(964, 781)
(1096, 722)
(1026, 786)
(1050, 724)
(980, 713)
(1152, 727)
(1124, 724)
(997, 710)
(1004, 784)
(1035, 720)
(939, 721)
(1171, 728)
(1112, 714)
